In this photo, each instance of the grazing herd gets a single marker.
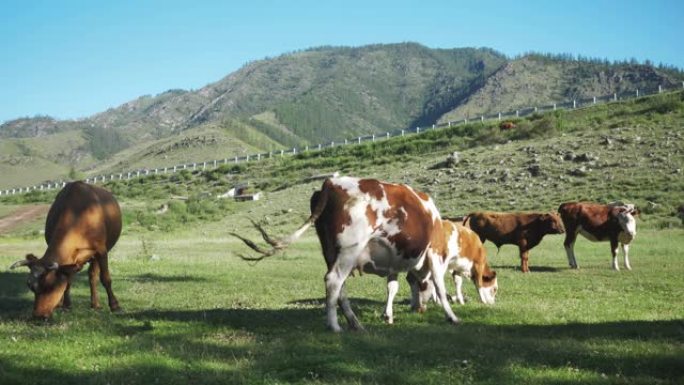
(363, 225)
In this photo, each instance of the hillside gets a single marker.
(537, 80)
(304, 97)
(631, 151)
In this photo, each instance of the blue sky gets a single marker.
(71, 59)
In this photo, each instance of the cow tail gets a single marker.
(319, 201)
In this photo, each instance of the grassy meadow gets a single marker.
(194, 313)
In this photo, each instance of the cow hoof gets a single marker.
(389, 320)
(455, 321)
(117, 310)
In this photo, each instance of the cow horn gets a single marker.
(22, 262)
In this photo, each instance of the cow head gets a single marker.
(489, 287)
(625, 218)
(553, 223)
(47, 281)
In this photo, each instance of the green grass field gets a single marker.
(196, 314)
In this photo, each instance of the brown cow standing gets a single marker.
(379, 228)
(83, 224)
(525, 230)
(613, 222)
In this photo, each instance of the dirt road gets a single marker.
(21, 216)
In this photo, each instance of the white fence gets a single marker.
(571, 104)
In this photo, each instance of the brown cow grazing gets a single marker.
(379, 228)
(525, 230)
(83, 224)
(613, 222)
(506, 126)
(471, 263)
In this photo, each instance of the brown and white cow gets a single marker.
(524, 230)
(470, 262)
(379, 228)
(83, 224)
(597, 222)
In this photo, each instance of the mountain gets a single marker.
(537, 80)
(305, 97)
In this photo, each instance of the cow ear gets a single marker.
(489, 277)
(68, 269)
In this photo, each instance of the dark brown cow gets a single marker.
(379, 228)
(83, 224)
(525, 230)
(613, 222)
(506, 126)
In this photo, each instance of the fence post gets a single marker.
(615, 97)
(306, 148)
(574, 103)
(214, 164)
(373, 137)
(346, 142)
(236, 159)
(259, 156)
(433, 126)
(517, 113)
(449, 124)
(294, 151)
(482, 119)
(554, 106)
(594, 100)
(204, 166)
(319, 147)
(282, 152)
(402, 131)
(499, 115)
(388, 134)
(637, 92)
(359, 140)
(332, 144)
(660, 89)
(417, 130)
(465, 121)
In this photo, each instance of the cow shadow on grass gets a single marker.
(288, 344)
(533, 269)
(150, 277)
(291, 345)
(15, 303)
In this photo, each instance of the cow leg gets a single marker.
(625, 251)
(93, 272)
(421, 291)
(344, 304)
(392, 289)
(570, 238)
(106, 280)
(334, 280)
(614, 253)
(66, 298)
(458, 281)
(524, 257)
(438, 269)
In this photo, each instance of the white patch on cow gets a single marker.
(458, 282)
(488, 294)
(348, 184)
(403, 211)
(392, 289)
(628, 225)
(462, 265)
(625, 251)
